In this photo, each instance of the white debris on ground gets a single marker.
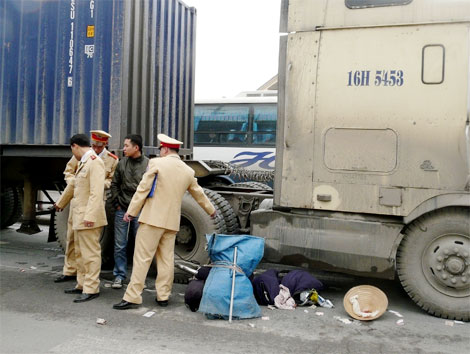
(344, 320)
(396, 313)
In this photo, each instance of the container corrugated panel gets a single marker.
(69, 66)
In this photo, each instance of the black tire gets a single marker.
(190, 244)
(252, 185)
(7, 206)
(194, 225)
(60, 226)
(433, 263)
(11, 206)
(231, 221)
(18, 206)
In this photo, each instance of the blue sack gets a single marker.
(215, 302)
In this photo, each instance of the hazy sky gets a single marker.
(237, 44)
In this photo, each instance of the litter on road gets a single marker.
(344, 320)
(101, 321)
(149, 314)
(284, 300)
(396, 313)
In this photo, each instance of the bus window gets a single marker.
(220, 124)
(362, 4)
(264, 124)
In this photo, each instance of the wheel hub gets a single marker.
(184, 234)
(455, 265)
(446, 264)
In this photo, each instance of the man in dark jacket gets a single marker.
(126, 178)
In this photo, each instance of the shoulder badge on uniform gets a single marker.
(93, 157)
(113, 156)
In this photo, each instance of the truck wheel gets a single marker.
(253, 185)
(231, 221)
(7, 206)
(433, 263)
(11, 206)
(60, 226)
(191, 241)
(17, 206)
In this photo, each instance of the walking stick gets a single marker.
(233, 284)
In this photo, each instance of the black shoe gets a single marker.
(63, 278)
(86, 297)
(73, 291)
(162, 303)
(125, 305)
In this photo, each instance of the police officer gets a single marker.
(158, 199)
(99, 141)
(88, 218)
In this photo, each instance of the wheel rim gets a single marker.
(186, 239)
(446, 264)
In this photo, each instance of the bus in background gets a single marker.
(239, 130)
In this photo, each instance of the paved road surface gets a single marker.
(37, 317)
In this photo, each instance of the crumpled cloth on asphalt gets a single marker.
(284, 300)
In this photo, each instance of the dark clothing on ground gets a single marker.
(266, 287)
(299, 280)
(126, 178)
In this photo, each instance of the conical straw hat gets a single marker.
(370, 299)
